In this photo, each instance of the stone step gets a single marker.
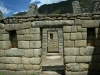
(52, 72)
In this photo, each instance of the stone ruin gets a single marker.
(1, 15)
(54, 44)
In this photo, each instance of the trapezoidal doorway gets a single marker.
(52, 51)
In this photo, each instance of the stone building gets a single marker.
(66, 44)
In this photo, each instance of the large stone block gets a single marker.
(37, 52)
(80, 43)
(20, 37)
(12, 73)
(23, 44)
(90, 23)
(29, 53)
(28, 37)
(8, 60)
(24, 31)
(78, 22)
(28, 67)
(68, 43)
(71, 51)
(14, 52)
(16, 60)
(89, 50)
(21, 72)
(70, 59)
(84, 35)
(83, 59)
(10, 27)
(35, 44)
(80, 29)
(79, 36)
(25, 61)
(10, 66)
(83, 66)
(36, 67)
(73, 28)
(37, 37)
(2, 66)
(2, 53)
(35, 60)
(4, 37)
(73, 36)
(2, 60)
(2, 26)
(34, 30)
(4, 72)
(82, 50)
(20, 67)
(66, 36)
(66, 28)
(5, 44)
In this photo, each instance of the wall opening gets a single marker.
(90, 36)
(51, 36)
(13, 39)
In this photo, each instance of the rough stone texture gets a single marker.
(80, 43)
(28, 67)
(66, 36)
(28, 37)
(70, 59)
(23, 44)
(16, 60)
(24, 31)
(67, 29)
(35, 61)
(5, 44)
(71, 51)
(34, 30)
(25, 61)
(37, 52)
(11, 66)
(68, 43)
(35, 44)
(36, 67)
(2, 66)
(4, 37)
(20, 67)
(29, 53)
(2, 53)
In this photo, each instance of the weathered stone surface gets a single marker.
(7, 60)
(78, 22)
(37, 37)
(23, 44)
(20, 67)
(29, 53)
(74, 67)
(14, 52)
(80, 29)
(73, 36)
(25, 61)
(35, 61)
(12, 73)
(28, 67)
(4, 72)
(90, 23)
(82, 50)
(34, 30)
(2, 26)
(16, 60)
(1, 52)
(83, 59)
(80, 43)
(66, 36)
(36, 67)
(2, 59)
(68, 43)
(11, 66)
(21, 72)
(24, 31)
(79, 36)
(67, 29)
(35, 44)
(37, 52)
(2, 66)
(84, 35)
(70, 59)
(71, 51)
(20, 37)
(73, 28)
(5, 44)
(83, 66)
(9, 27)
(4, 37)
(28, 37)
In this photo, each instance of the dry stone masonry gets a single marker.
(25, 41)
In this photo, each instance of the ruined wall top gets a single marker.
(33, 10)
(76, 7)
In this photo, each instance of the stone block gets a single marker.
(83, 66)
(27, 25)
(28, 67)
(14, 52)
(16, 60)
(73, 36)
(73, 28)
(10, 66)
(89, 50)
(83, 59)
(20, 37)
(80, 29)
(20, 67)
(10, 27)
(70, 59)
(37, 52)
(79, 36)
(74, 67)
(23, 44)
(28, 37)
(66, 28)
(78, 22)
(68, 72)
(37, 37)
(12, 73)
(4, 72)
(84, 35)
(2, 66)
(36, 67)
(29, 53)
(68, 43)
(90, 23)
(30, 72)
(80, 43)
(2, 53)
(24, 31)
(2, 26)
(4, 37)
(21, 72)
(5, 44)
(25, 61)
(82, 50)
(71, 51)
(35, 30)
(66, 36)
(2, 59)
(35, 44)
(35, 60)
(8, 60)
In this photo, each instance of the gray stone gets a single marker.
(79, 36)
(70, 59)
(80, 43)
(16, 60)
(8, 60)
(73, 36)
(4, 72)
(84, 35)
(20, 37)
(34, 30)
(2, 53)
(66, 36)
(5, 44)
(4, 37)
(20, 67)
(71, 51)
(82, 50)
(78, 22)
(24, 31)
(84, 67)
(2, 26)
(37, 37)
(23, 44)
(80, 29)
(2, 66)
(14, 52)
(89, 50)
(73, 28)
(35, 60)
(25, 61)
(28, 67)
(35, 44)
(28, 37)
(67, 29)
(21, 72)
(37, 52)
(10, 66)
(29, 53)
(12, 73)
(90, 23)
(36, 67)
(68, 43)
